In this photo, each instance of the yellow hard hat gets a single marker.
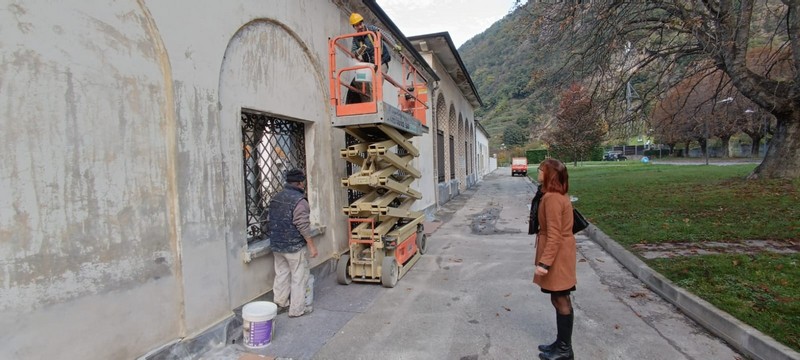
(356, 18)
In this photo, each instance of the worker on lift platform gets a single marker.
(363, 46)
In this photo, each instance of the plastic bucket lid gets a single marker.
(259, 311)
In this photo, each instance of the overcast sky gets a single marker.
(463, 19)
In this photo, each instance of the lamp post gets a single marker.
(726, 100)
(749, 113)
(705, 130)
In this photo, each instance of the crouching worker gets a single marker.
(290, 235)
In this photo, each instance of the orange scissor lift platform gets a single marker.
(385, 237)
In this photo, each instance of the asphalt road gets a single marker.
(471, 297)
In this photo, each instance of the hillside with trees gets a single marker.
(683, 72)
(504, 62)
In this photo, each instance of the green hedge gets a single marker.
(536, 156)
(595, 155)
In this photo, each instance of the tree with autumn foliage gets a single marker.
(664, 41)
(706, 104)
(578, 128)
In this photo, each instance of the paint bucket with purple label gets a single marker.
(257, 324)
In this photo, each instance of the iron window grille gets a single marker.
(466, 159)
(270, 147)
(440, 156)
(452, 158)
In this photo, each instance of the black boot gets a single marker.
(562, 349)
(548, 347)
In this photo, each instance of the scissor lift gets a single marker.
(385, 237)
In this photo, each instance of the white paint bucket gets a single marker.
(257, 324)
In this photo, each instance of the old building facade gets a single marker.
(140, 142)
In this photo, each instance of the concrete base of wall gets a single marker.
(454, 191)
(447, 190)
(443, 189)
(226, 332)
(472, 180)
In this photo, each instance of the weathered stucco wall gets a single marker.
(455, 100)
(122, 217)
(122, 206)
(88, 194)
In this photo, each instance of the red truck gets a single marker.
(519, 165)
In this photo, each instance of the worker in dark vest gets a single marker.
(290, 235)
(363, 46)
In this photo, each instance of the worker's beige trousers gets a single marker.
(291, 275)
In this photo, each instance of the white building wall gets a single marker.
(122, 206)
(427, 183)
(453, 96)
(482, 156)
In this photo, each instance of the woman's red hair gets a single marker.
(554, 176)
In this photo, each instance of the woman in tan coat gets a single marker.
(555, 255)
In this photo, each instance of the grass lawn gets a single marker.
(638, 203)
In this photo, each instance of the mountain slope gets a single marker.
(504, 63)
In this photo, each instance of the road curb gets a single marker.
(741, 336)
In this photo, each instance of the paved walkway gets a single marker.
(471, 297)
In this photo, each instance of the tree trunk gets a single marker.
(755, 148)
(783, 153)
(703, 146)
(726, 142)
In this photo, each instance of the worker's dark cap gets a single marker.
(295, 176)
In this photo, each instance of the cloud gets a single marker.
(463, 19)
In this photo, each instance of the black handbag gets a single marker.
(578, 221)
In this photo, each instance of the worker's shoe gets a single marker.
(561, 351)
(308, 310)
(548, 347)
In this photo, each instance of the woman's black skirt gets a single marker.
(561, 292)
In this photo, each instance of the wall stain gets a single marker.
(170, 129)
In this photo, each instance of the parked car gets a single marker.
(613, 156)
